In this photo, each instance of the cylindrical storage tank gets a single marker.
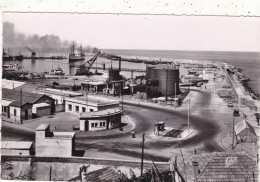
(114, 74)
(167, 80)
(149, 73)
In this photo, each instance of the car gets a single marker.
(236, 112)
(199, 84)
(230, 104)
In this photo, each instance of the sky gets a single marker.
(155, 32)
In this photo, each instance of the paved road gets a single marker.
(208, 123)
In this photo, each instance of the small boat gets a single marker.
(57, 71)
(12, 67)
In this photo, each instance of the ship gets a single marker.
(7, 56)
(76, 55)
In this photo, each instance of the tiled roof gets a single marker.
(105, 175)
(15, 95)
(187, 170)
(230, 167)
(218, 167)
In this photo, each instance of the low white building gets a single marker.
(59, 144)
(100, 120)
(17, 148)
(88, 104)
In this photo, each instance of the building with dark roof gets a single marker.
(215, 167)
(17, 105)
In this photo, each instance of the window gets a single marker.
(77, 108)
(95, 124)
(83, 109)
(70, 107)
(14, 112)
(102, 123)
(56, 101)
(4, 108)
(92, 125)
(91, 110)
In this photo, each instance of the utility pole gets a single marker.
(21, 102)
(166, 97)
(175, 95)
(122, 95)
(142, 161)
(233, 136)
(189, 114)
(87, 100)
(50, 173)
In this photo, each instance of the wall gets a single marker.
(67, 168)
(98, 121)
(114, 121)
(43, 111)
(73, 111)
(111, 122)
(59, 107)
(47, 100)
(17, 118)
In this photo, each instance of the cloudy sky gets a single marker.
(165, 32)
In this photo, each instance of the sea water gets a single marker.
(249, 62)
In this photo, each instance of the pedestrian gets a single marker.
(133, 134)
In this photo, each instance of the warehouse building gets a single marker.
(100, 120)
(16, 148)
(168, 77)
(59, 97)
(58, 144)
(19, 105)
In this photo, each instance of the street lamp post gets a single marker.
(142, 160)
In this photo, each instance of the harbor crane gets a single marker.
(85, 67)
(32, 51)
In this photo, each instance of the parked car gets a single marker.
(230, 104)
(236, 112)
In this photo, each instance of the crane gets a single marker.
(85, 67)
(32, 51)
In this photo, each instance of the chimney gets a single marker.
(195, 165)
(119, 64)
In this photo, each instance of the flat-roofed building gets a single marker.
(100, 120)
(88, 104)
(59, 144)
(17, 148)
